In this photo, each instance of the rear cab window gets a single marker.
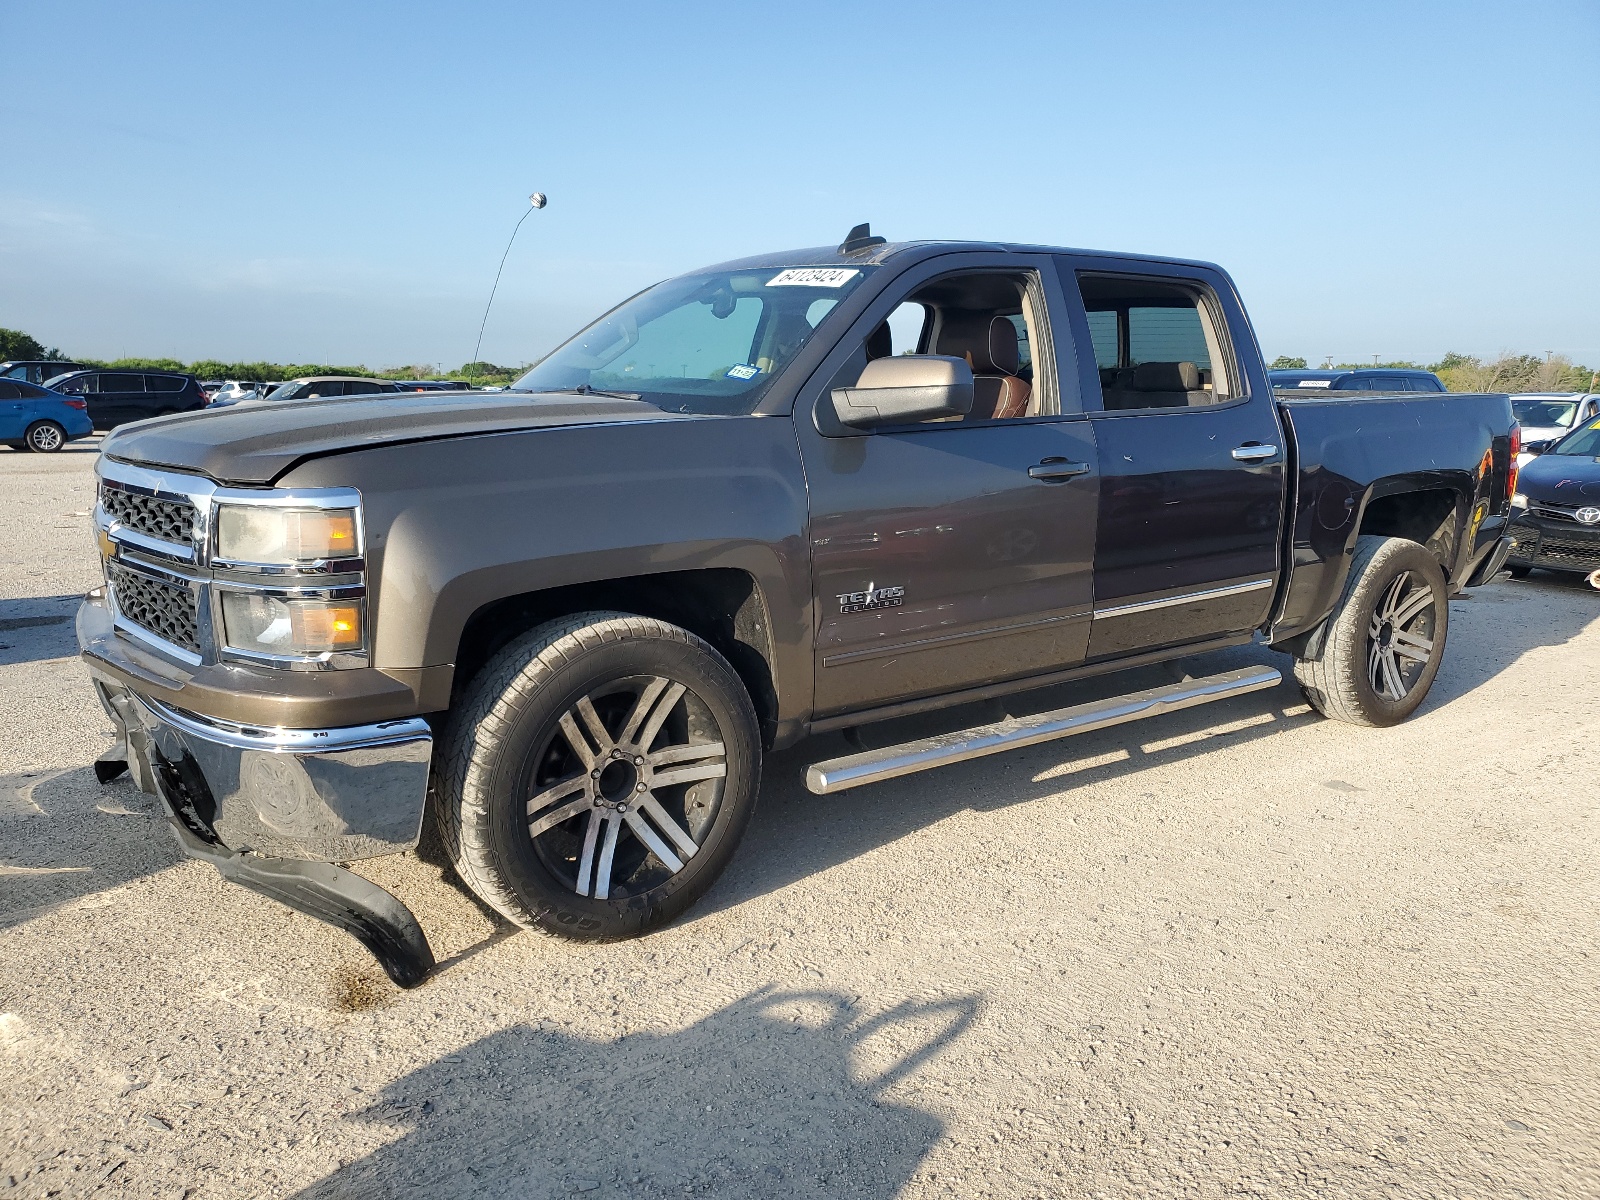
(1159, 342)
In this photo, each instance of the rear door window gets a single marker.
(118, 382)
(1159, 342)
(9, 390)
(162, 383)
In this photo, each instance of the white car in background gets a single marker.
(1546, 416)
(234, 391)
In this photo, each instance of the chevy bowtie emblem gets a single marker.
(871, 597)
(1588, 516)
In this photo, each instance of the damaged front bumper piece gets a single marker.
(277, 810)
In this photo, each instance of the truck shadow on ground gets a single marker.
(796, 834)
(64, 836)
(777, 1094)
(38, 629)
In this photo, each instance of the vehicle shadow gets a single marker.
(38, 629)
(1506, 620)
(64, 836)
(777, 1094)
(796, 834)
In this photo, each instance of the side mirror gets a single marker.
(904, 390)
(1537, 447)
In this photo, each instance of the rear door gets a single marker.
(1191, 455)
(163, 394)
(950, 554)
(13, 421)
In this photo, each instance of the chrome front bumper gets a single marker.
(323, 795)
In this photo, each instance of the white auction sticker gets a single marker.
(813, 277)
(1315, 383)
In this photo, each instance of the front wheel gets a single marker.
(44, 437)
(1385, 638)
(598, 775)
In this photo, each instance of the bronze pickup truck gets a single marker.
(795, 493)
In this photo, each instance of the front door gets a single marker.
(955, 553)
(1191, 455)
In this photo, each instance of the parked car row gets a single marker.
(1366, 379)
(1556, 508)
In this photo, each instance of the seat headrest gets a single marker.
(1166, 377)
(988, 344)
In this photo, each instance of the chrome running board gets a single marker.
(874, 766)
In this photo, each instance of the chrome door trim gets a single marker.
(1124, 610)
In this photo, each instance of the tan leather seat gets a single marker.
(989, 344)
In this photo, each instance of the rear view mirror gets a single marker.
(904, 390)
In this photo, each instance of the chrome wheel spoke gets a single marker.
(608, 850)
(1413, 606)
(565, 813)
(575, 739)
(650, 838)
(1413, 646)
(686, 845)
(641, 709)
(689, 774)
(591, 835)
(1391, 675)
(678, 754)
(596, 727)
(652, 726)
(567, 787)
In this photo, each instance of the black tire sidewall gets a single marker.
(509, 783)
(1396, 556)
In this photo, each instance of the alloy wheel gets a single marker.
(626, 787)
(45, 438)
(1400, 636)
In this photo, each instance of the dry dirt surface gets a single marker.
(1238, 950)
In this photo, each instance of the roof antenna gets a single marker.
(860, 238)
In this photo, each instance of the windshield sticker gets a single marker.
(742, 371)
(830, 277)
(1315, 383)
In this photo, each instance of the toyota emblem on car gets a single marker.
(1588, 516)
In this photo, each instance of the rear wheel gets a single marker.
(44, 437)
(598, 775)
(1385, 639)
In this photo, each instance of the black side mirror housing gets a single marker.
(904, 390)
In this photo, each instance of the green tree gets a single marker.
(16, 344)
(1284, 363)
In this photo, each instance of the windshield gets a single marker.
(1543, 412)
(283, 391)
(1584, 443)
(710, 343)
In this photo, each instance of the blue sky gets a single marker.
(335, 182)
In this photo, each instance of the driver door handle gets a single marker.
(1052, 469)
(1253, 452)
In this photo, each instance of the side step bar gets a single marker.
(874, 766)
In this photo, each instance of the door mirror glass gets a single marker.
(904, 390)
(1538, 447)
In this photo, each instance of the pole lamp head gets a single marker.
(537, 200)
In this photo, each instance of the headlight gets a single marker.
(263, 624)
(252, 533)
(1518, 500)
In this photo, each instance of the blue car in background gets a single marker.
(37, 419)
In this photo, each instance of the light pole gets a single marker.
(537, 200)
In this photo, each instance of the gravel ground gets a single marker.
(1234, 951)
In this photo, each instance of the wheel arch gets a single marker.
(723, 605)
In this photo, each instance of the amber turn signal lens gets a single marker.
(322, 627)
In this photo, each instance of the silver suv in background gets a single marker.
(313, 387)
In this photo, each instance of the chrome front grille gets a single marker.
(164, 609)
(153, 516)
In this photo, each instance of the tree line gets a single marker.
(1469, 373)
(14, 344)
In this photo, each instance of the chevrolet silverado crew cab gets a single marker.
(794, 493)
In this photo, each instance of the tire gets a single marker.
(630, 822)
(44, 437)
(1385, 638)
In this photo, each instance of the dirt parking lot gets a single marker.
(1235, 951)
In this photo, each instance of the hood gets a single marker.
(256, 443)
(1543, 433)
(1561, 479)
